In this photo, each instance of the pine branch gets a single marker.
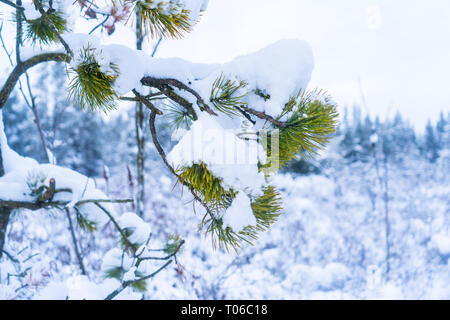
(144, 100)
(128, 283)
(159, 21)
(162, 154)
(52, 27)
(225, 95)
(164, 85)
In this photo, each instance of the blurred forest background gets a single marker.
(369, 218)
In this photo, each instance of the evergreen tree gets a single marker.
(431, 143)
(281, 124)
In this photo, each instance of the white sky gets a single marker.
(397, 52)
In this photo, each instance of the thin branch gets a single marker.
(162, 154)
(75, 243)
(122, 233)
(146, 102)
(52, 27)
(166, 257)
(164, 85)
(41, 205)
(10, 257)
(262, 115)
(37, 120)
(18, 31)
(12, 65)
(100, 24)
(125, 284)
(22, 67)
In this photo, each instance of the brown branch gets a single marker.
(162, 154)
(262, 115)
(41, 205)
(165, 88)
(147, 103)
(24, 66)
(155, 82)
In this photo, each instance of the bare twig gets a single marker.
(146, 102)
(162, 154)
(262, 115)
(126, 284)
(122, 233)
(75, 243)
(166, 257)
(100, 24)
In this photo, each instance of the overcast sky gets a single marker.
(392, 54)
(395, 53)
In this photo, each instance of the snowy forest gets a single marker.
(99, 201)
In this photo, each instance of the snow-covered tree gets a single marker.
(236, 124)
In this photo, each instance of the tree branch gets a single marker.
(162, 154)
(125, 284)
(122, 233)
(41, 205)
(262, 115)
(75, 243)
(147, 103)
(166, 257)
(24, 66)
(52, 27)
(169, 93)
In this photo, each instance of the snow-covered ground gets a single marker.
(330, 243)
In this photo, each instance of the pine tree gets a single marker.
(431, 143)
(282, 128)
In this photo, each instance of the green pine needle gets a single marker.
(90, 87)
(311, 121)
(209, 189)
(38, 30)
(178, 116)
(266, 208)
(206, 185)
(158, 21)
(85, 225)
(226, 96)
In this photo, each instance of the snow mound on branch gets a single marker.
(229, 157)
(240, 214)
(115, 258)
(19, 170)
(140, 230)
(280, 70)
